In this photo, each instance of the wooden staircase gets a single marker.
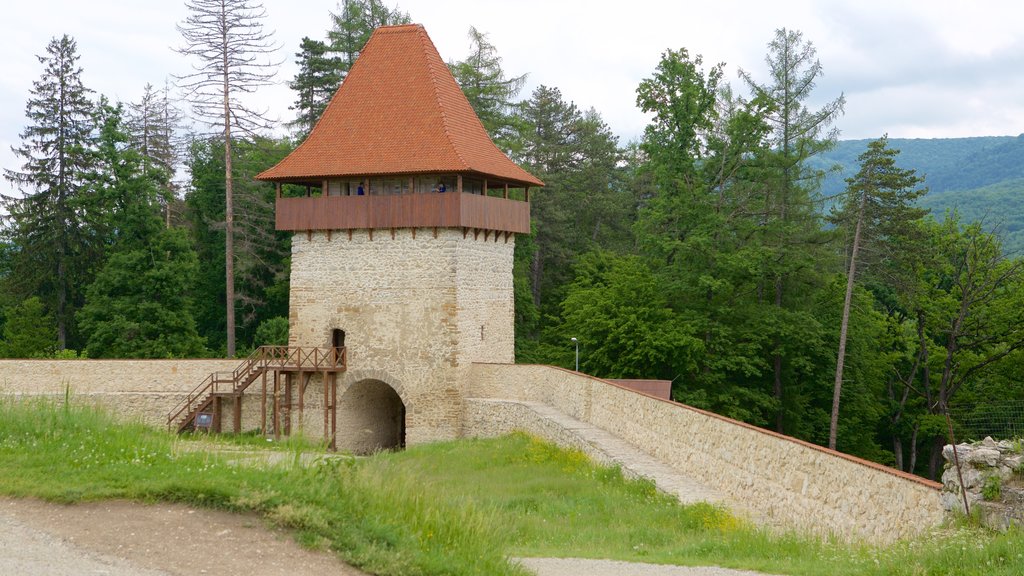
(194, 411)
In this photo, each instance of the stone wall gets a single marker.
(785, 480)
(144, 390)
(993, 480)
(417, 307)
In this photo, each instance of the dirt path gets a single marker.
(126, 539)
(118, 538)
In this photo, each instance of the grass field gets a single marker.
(447, 508)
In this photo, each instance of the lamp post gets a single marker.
(577, 343)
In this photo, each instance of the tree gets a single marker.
(798, 133)
(29, 332)
(878, 205)
(227, 38)
(489, 92)
(618, 311)
(126, 192)
(549, 150)
(316, 81)
(261, 252)
(50, 226)
(970, 311)
(699, 225)
(151, 123)
(354, 24)
(140, 305)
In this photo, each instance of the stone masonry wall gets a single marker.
(417, 307)
(787, 481)
(993, 481)
(142, 390)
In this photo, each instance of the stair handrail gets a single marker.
(186, 405)
(258, 360)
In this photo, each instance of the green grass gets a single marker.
(447, 508)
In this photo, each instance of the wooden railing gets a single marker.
(428, 210)
(282, 358)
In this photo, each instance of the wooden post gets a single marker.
(506, 191)
(303, 380)
(412, 186)
(277, 405)
(327, 401)
(263, 406)
(485, 186)
(287, 403)
(277, 189)
(236, 426)
(323, 188)
(527, 193)
(215, 425)
(334, 410)
(458, 183)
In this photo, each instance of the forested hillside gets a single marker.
(699, 254)
(982, 178)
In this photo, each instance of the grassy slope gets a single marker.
(447, 508)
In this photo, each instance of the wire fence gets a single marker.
(1000, 421)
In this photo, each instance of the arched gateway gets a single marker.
(404, 216)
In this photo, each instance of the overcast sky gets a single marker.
(912, 69)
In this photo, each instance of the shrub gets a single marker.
(993, 488)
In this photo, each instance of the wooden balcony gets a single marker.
(429, 210)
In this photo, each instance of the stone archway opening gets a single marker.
(371, 417)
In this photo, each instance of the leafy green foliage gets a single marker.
(272, 332)
(261, 253)
(625, 327)
(29, 332)
(992, 490)
(140, 303)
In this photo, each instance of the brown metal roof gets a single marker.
(399, 111)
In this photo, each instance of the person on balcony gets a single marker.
(440, 187)
(359, 190)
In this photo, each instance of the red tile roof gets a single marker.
(399, 111)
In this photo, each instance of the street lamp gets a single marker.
(577, 343)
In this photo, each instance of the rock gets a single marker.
(988, 442)
(986, 456)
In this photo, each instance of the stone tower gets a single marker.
(403, 227)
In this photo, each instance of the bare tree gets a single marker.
(233, 51)
(153, 121)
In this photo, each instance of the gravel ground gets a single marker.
(129, 539)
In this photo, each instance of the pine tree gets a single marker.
(791, 221)
(354, 24)
(489, 92)
(227, 38)
(50, 225)
(879, 208)
(318, 78)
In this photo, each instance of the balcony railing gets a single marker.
(431, 210)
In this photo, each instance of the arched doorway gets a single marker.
(371, 417)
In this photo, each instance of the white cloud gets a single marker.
(912, 69)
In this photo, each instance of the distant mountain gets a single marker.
(982, 178)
